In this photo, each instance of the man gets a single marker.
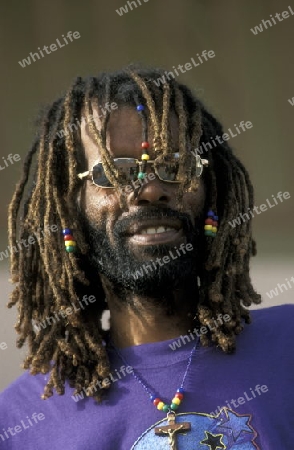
(143, 232)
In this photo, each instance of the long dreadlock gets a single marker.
(49, 280)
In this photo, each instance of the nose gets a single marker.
(153, 192)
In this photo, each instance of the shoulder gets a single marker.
(279, 316)
(271, 331)
(23, 392)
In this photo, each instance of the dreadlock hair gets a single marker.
(49, 280)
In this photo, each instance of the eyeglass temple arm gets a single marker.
(84, 174)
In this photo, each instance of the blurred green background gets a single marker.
(250, 79)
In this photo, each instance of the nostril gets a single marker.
(163, 198)
(155, 192)
(143, 202)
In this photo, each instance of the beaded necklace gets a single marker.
(172, 428)
(179, 395)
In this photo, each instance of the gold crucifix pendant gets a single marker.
(172, 429)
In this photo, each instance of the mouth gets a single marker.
(151, 232)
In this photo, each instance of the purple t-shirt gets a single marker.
(242, 401)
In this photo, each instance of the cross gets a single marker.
(172, 429)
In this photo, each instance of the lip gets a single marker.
(167, 237)
(136, 228)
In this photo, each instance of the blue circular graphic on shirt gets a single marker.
(225, 431)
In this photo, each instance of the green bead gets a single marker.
(141, 175)
(70, 249)
(165, 408)
(209, 233)
(173, 406)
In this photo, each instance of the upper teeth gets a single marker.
(155, 230)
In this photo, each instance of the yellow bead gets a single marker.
(207, 227)
(160, 405)
(214, 229)
(70, 243)
(176, 400)
(145, 156)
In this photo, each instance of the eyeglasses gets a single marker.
(167, 169)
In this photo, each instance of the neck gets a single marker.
(137, 320)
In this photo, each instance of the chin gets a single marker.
(148, 279)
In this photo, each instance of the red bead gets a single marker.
(214, 223)
(179, 395)
(208, 222)
(145, 144)
(68, 237)
(156, 401)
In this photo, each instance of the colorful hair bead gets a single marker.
(211, 224)
(144, 145)
(70, 243)
(208, 222)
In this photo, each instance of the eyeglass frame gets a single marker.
(199, 163)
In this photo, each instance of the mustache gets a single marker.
(122, 225)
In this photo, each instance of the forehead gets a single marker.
(124, 134)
